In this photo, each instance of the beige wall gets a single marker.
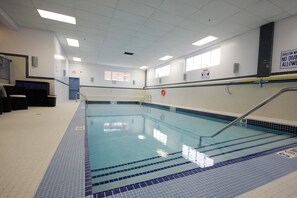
(242, 98)
(112, 94)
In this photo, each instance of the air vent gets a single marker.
(128, 53)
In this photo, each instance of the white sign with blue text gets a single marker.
(288, 59)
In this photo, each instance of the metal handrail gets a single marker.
(255, 108)
(80, 94)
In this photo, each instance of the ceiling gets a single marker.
(148, 28)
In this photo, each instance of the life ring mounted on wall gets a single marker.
(163, 92)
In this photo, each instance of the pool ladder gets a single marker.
(255, 108)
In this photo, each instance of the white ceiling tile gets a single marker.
(109, 3)
(195, 3)
(205, 18)
(126, 31)
(247, 19)
(91, 31)
(231, 27)
(278, 17)
(145, 36)
(293, 11)
(91, 24)
(195, 26)
(242, 3)
(67, 3)
(131, 18)
(59, 25)
(120, 24)
(135, 8)
(152, 3)
(94, 7)
(167, 18)
(23, 3)
(93, 18)
(285, 4)
(154, 24)
(61, 31)
(177, 7)
(264, 9)
(220, 10)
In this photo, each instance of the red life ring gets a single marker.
(163, 92)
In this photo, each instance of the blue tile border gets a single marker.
(144, 184)
(88, 176)
(175, 165)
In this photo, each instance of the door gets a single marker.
(73, 88)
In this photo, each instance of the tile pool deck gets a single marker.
(28, 147)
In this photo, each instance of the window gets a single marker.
(206, 59)
(162, 71)
(116, 76)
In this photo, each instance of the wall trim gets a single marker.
(67, 84)
(106, 87)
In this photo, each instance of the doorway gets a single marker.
(73, 88)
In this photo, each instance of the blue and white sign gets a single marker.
(288, 59)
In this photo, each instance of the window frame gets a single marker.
(202, 55)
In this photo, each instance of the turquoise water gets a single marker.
(134, 143)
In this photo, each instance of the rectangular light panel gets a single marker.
(56, 16)
(205, 40)
(143, 67)
(77, 59)
(72, 42)
(165, 58)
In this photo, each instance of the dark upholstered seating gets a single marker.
(17, 97)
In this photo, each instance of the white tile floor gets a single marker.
(29, 139)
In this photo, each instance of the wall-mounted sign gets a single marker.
(288, 59)
(205, 73)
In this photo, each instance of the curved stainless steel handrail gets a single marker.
(80, 94)
(256, 107)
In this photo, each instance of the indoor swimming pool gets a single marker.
(133, 146)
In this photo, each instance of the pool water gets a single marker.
(130, 144)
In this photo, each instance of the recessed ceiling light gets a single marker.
(205, 40)
(56, 16)
(143, 67)
(77, 59)
(141, 137)
(72, 42)
(166, 58)
(59, 57)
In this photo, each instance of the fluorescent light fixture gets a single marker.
(56, 16)
(141, 137)
(205, 40)
(164, 58)
(77, 59)
(59, 57)
(72, 42)
(143, 67)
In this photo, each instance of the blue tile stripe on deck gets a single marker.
(64, 176)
